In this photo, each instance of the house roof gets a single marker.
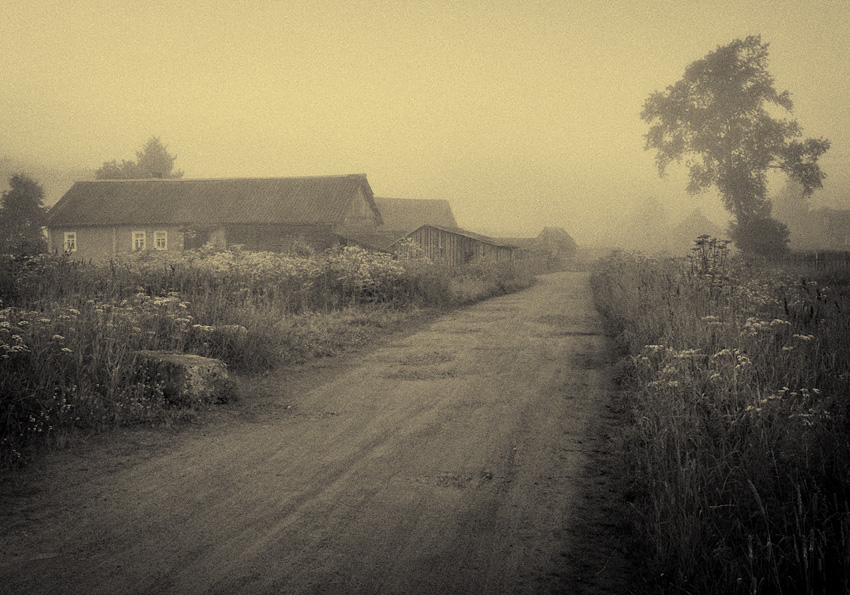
(304, 200)
(462, 232)
(552, 237)
(548, 239)
(407, 214)
(695, 225)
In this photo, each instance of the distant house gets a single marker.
(682, 237)
(556, 242)
(406, 214)
(454, 245)
(401, 216)
(100, 219)
(552, 245)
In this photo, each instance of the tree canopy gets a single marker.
(22, 217)
(152, 161)
(718, 118)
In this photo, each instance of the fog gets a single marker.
(521, 114)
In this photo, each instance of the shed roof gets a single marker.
(303, 200)
(407, 214)
(462, 232)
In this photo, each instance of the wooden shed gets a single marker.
(456, 246)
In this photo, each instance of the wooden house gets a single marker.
(454, 245)
(548, 249)
(406, 214)
(100, 219)
(401, 216)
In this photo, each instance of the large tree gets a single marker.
(152, 161)
(717, 118)
(22, 217)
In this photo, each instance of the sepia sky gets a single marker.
(522, 113)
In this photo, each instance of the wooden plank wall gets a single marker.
(455, 249)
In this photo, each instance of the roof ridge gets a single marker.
(422, 199)
(230, 179)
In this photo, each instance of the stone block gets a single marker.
(184, 379)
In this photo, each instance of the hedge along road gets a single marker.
(461, 457)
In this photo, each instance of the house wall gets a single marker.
(103, 242)
(454, 249)
(360, 215)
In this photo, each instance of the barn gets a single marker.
(401, 216)
(455, 246)
(406, 214)
(104, 218)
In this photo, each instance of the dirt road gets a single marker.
(459, 458)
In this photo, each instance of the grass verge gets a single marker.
(738, 384)
(69, 330)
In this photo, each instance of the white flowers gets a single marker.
(804, 338)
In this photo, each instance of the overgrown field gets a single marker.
(69, 329)
(737, 450)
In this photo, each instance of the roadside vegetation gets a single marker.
(69, 329)
(736, 378)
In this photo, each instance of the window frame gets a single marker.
(72, 236)
(139, 235)
(160, 235)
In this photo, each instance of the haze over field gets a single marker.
(522, 114)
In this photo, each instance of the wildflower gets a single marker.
(74, 311)
(779, 322)
(23, 323)
(66, 350)
(804, 338)
(44, 320)
(58, 338)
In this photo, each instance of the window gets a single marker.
(138, 240)
(160, 240)
(70, 241)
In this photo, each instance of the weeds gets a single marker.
(738, 378)
(69, 329)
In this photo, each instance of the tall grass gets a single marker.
(738, 381)
(69, 330)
